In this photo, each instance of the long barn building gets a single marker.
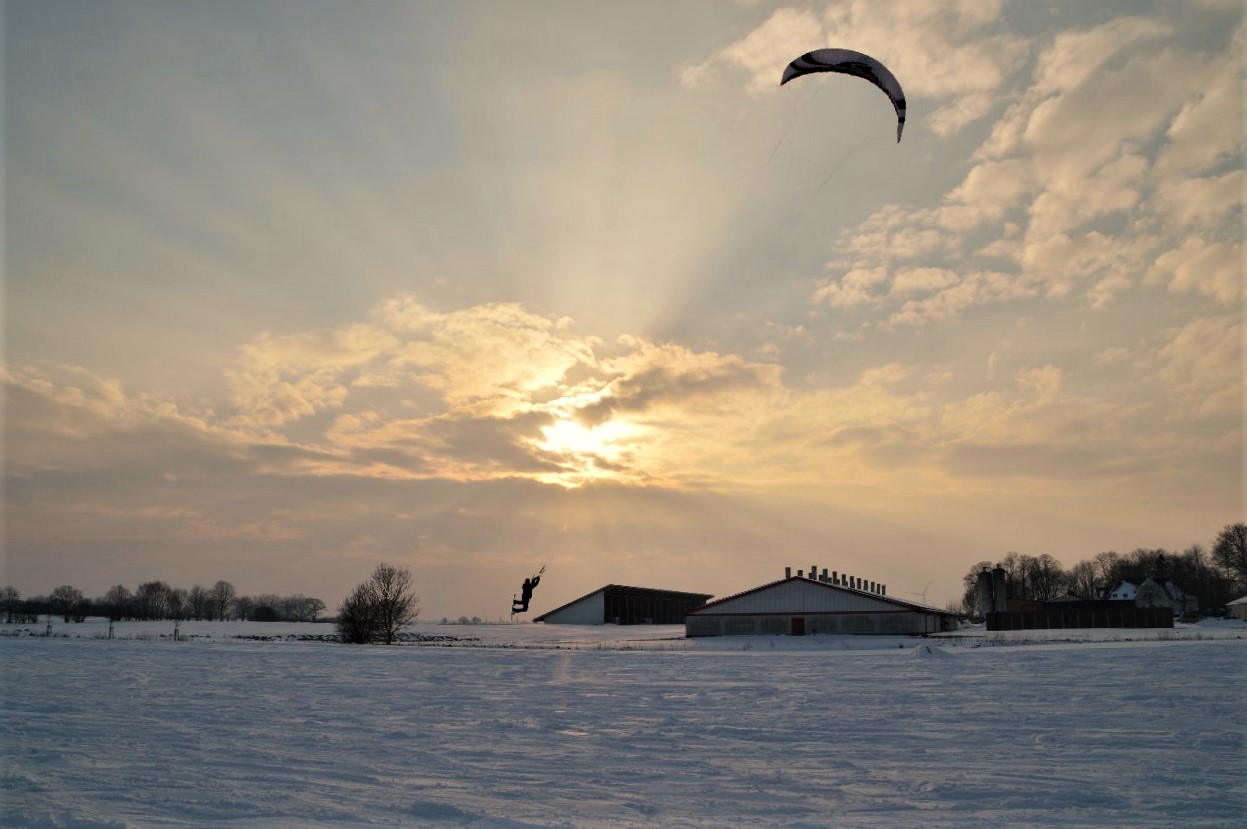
(618, 604)
(800, 605)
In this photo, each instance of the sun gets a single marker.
(570, 437)
(590, 452)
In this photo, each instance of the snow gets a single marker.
(518, 726)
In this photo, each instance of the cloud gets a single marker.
(496, 355)
(652, 377)
(490, 357)
(568, 409)
(785, 34)
(289, 377)
(1211, 268)
(1201, 203)
(852, 288)
(1098, 180)
(1208, 128)
(923, 280)
(1075, 56)
(950, 301)
(1202, 363)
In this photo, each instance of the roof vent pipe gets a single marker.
(800, 574)
(787, 572)
(824, 578)
(883, 590)
(835, 577)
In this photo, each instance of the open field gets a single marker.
(543, 726)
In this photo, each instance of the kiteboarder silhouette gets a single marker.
(520, 605)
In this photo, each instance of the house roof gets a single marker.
(841, 588)
(1238, 601)
(1171, 587)
(635, 591)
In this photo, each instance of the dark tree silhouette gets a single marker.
(10, 604)
(357, 617)
(200, 603)
(396, 603)
(116, 602)
(222, 598)
(379, 608)
(65, 601)
(1229, 551)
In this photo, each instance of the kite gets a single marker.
(848, 62)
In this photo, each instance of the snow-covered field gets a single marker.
(550, 726)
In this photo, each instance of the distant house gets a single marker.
(1153, 593)
(1123, 591)
(1238, 608)
(618, 604)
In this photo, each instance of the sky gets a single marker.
(295, 288)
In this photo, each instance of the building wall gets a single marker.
(1108, 614)
(800, 606)
(590, 610)
(633, 606)
(893, 621)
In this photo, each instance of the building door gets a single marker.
(798, 626)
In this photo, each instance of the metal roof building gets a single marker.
(798, 605)
(619, 604)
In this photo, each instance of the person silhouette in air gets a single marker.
(520, 605)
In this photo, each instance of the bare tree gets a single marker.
(396, 603)
(268, 608)
(222, 596)
(116, 602)
(244, 608)
(1015, 567)
(357, 617)
(200, 603)
(151, 600)
(178, 603)
(66, 601)
(970, 590)
(300, 608)
(1229, 551)
(10, 603)
(1082, 580)
(311, 608)
(1046, 578)
(379, 608)
(1106, 564)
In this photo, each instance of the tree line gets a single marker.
(374, 612)
(156, 600)
(1213, 576)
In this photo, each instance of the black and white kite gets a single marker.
(848, 62)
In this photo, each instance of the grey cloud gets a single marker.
(1040, 460)
(656, 385)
